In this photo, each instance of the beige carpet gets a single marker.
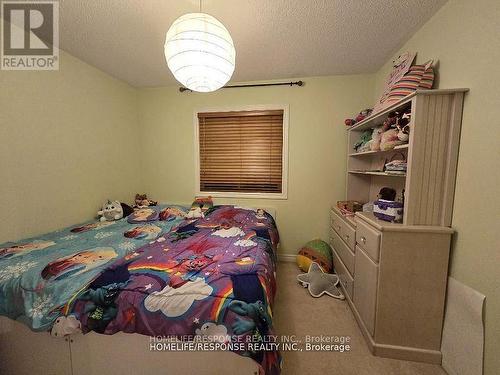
(297, 313)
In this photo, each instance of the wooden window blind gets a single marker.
(241, 151)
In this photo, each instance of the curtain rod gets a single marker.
(296, 83)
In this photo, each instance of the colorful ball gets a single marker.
(315, 251)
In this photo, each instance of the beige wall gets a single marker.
(463, 35)
(317, 143)
(65, 146)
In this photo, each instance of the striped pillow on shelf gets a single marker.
(418, 77)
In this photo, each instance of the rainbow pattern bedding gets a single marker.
(210, 279)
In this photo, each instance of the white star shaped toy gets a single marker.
(319, 282)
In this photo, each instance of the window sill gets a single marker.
(216, 194)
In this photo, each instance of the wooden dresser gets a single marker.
(394, 275)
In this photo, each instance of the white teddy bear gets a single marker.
(114, 210)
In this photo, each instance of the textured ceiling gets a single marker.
(273, 38)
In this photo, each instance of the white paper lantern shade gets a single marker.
(200, 52)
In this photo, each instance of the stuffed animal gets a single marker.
(259, 318)
(114, 210)
(390, 121)
(387, 193)
(141, 201)
(66, 325)
(403, 126)
(195, 212)
(360, 145)
(101, 307)
(374, 143)
(389, 140)
(252, 318)
(359, 117)
(199, 207)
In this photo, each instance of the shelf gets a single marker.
(377, 118)
(374, 173)
(383, 226)
(400, 147)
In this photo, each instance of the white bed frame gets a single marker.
(24, 352)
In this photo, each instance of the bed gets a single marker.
(207, 280)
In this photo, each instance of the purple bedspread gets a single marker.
(209, 278)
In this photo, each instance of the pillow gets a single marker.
(417, 77)
(315, 251)
(143, 215)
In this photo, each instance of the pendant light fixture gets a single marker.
(200, 52)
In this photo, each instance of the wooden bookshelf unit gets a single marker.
(431, 154)
(394, 275)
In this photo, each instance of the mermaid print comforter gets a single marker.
(38, 276)
(210, 278)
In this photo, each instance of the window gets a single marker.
(242, 153)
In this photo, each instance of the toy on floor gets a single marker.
(142, 201)
(319, 282)
(114, 210)
(315, 251)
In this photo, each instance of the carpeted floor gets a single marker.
(297, 313)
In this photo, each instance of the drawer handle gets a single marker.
(346, 236)
(363, 240)
(338, 227)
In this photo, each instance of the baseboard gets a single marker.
(289, 258)
(408, 353)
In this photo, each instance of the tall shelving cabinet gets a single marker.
(394, 274)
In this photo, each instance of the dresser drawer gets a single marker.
(346, 255)
(335, 222)
(344, 276)
(344, 230)
(368, 239)
(348, 234)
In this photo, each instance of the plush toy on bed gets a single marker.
(114, 210)
(199, 207)
(142, 201)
